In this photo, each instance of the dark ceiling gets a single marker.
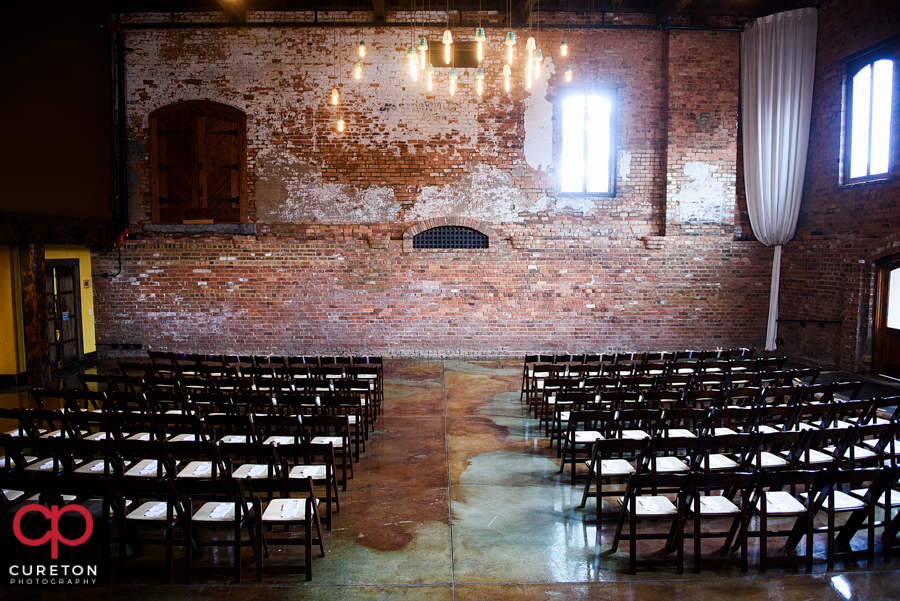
(664, 11)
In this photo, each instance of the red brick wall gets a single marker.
(656, 267)
(827, 270)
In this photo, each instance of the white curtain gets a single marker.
(778, 56)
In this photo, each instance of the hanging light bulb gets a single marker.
(538, 61)
(479, 80)
(362, 49)
(479, 37)
(429, 70)
(510, 42)
(411, 55)
(447, 42)
(340, 124)
(423, 48)
(530, 46)
(568, 73)
(453, 78)
(335, 97)
(506, 73)
(357, 70)
(564, 48)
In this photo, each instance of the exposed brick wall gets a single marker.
(827, 271)
(655, 267)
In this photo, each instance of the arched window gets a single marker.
(198, 163)
(869, 102)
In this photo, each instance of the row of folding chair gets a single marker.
(823, 433)
(192, 513)
(694, 506)
(628, 358)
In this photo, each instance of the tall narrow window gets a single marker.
(587, 143)
(870, 91)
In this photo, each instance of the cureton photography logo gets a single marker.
(44, 529)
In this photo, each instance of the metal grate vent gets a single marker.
(450, 236)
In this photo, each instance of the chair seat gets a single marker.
(835, 425)
(842, 502)
(235, 438)
(812, 456)
(183, 437)
(680, 433)
(277, 440)
(768, 429)
(717, 505)
(336, 441)
(284, 510)
(316, 472)
(652, 506)
(45, 465)
(671, 464)
(12, 495)
(145, 468)
(585, 436)
(196, 469)
(251, 470)
(858, 452)
(613, 467)
(152, 511)
(895, 496)
(717, 461)
(770, 460)
(97, 466)
(564, 416)
(635, 434)
(138, 436)
(98, 436)
(215, 511)
(779, 502)
(723, 432)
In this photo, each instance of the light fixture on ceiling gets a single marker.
(447, 41)
(340, 124)
(563, 48)
(479, 37)
(429, 71)
(479, 80)
(506, 73)
(568, 73)
(357, 70)
(362, 49)
(411, 55)
(423, 48)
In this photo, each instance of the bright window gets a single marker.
(893, 310)
(869, 117)
(587, 143)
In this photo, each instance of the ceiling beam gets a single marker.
(523, 12)
(379, 10)
(235, 9)
(669, 9)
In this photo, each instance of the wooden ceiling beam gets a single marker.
(667, 10)
(379, 10)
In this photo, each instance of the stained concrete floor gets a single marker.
(458, 498)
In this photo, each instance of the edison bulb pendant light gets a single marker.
(340, 124)
(506, 73)
(453, 78)
(568, 73)
(530, 46)
(479, 80)
(411, 55)
(538, 61)
(362, 49)
(429, 70)
(479, 37)
(335, 97)
(510, 42)
(357, 70)
(447, 41)
(564, 48)
(423, 48)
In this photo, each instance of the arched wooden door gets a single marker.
(886, 348)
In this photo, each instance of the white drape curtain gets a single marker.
(778, 56)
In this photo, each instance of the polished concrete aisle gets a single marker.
(458, 497)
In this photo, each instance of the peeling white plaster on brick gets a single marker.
(539, 121)
(485, 193)
(702, 199)
(576, 203)
(289, 190)
(625, 166)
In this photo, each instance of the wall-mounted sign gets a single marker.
(65, 316)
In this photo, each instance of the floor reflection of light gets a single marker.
(841, 585)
